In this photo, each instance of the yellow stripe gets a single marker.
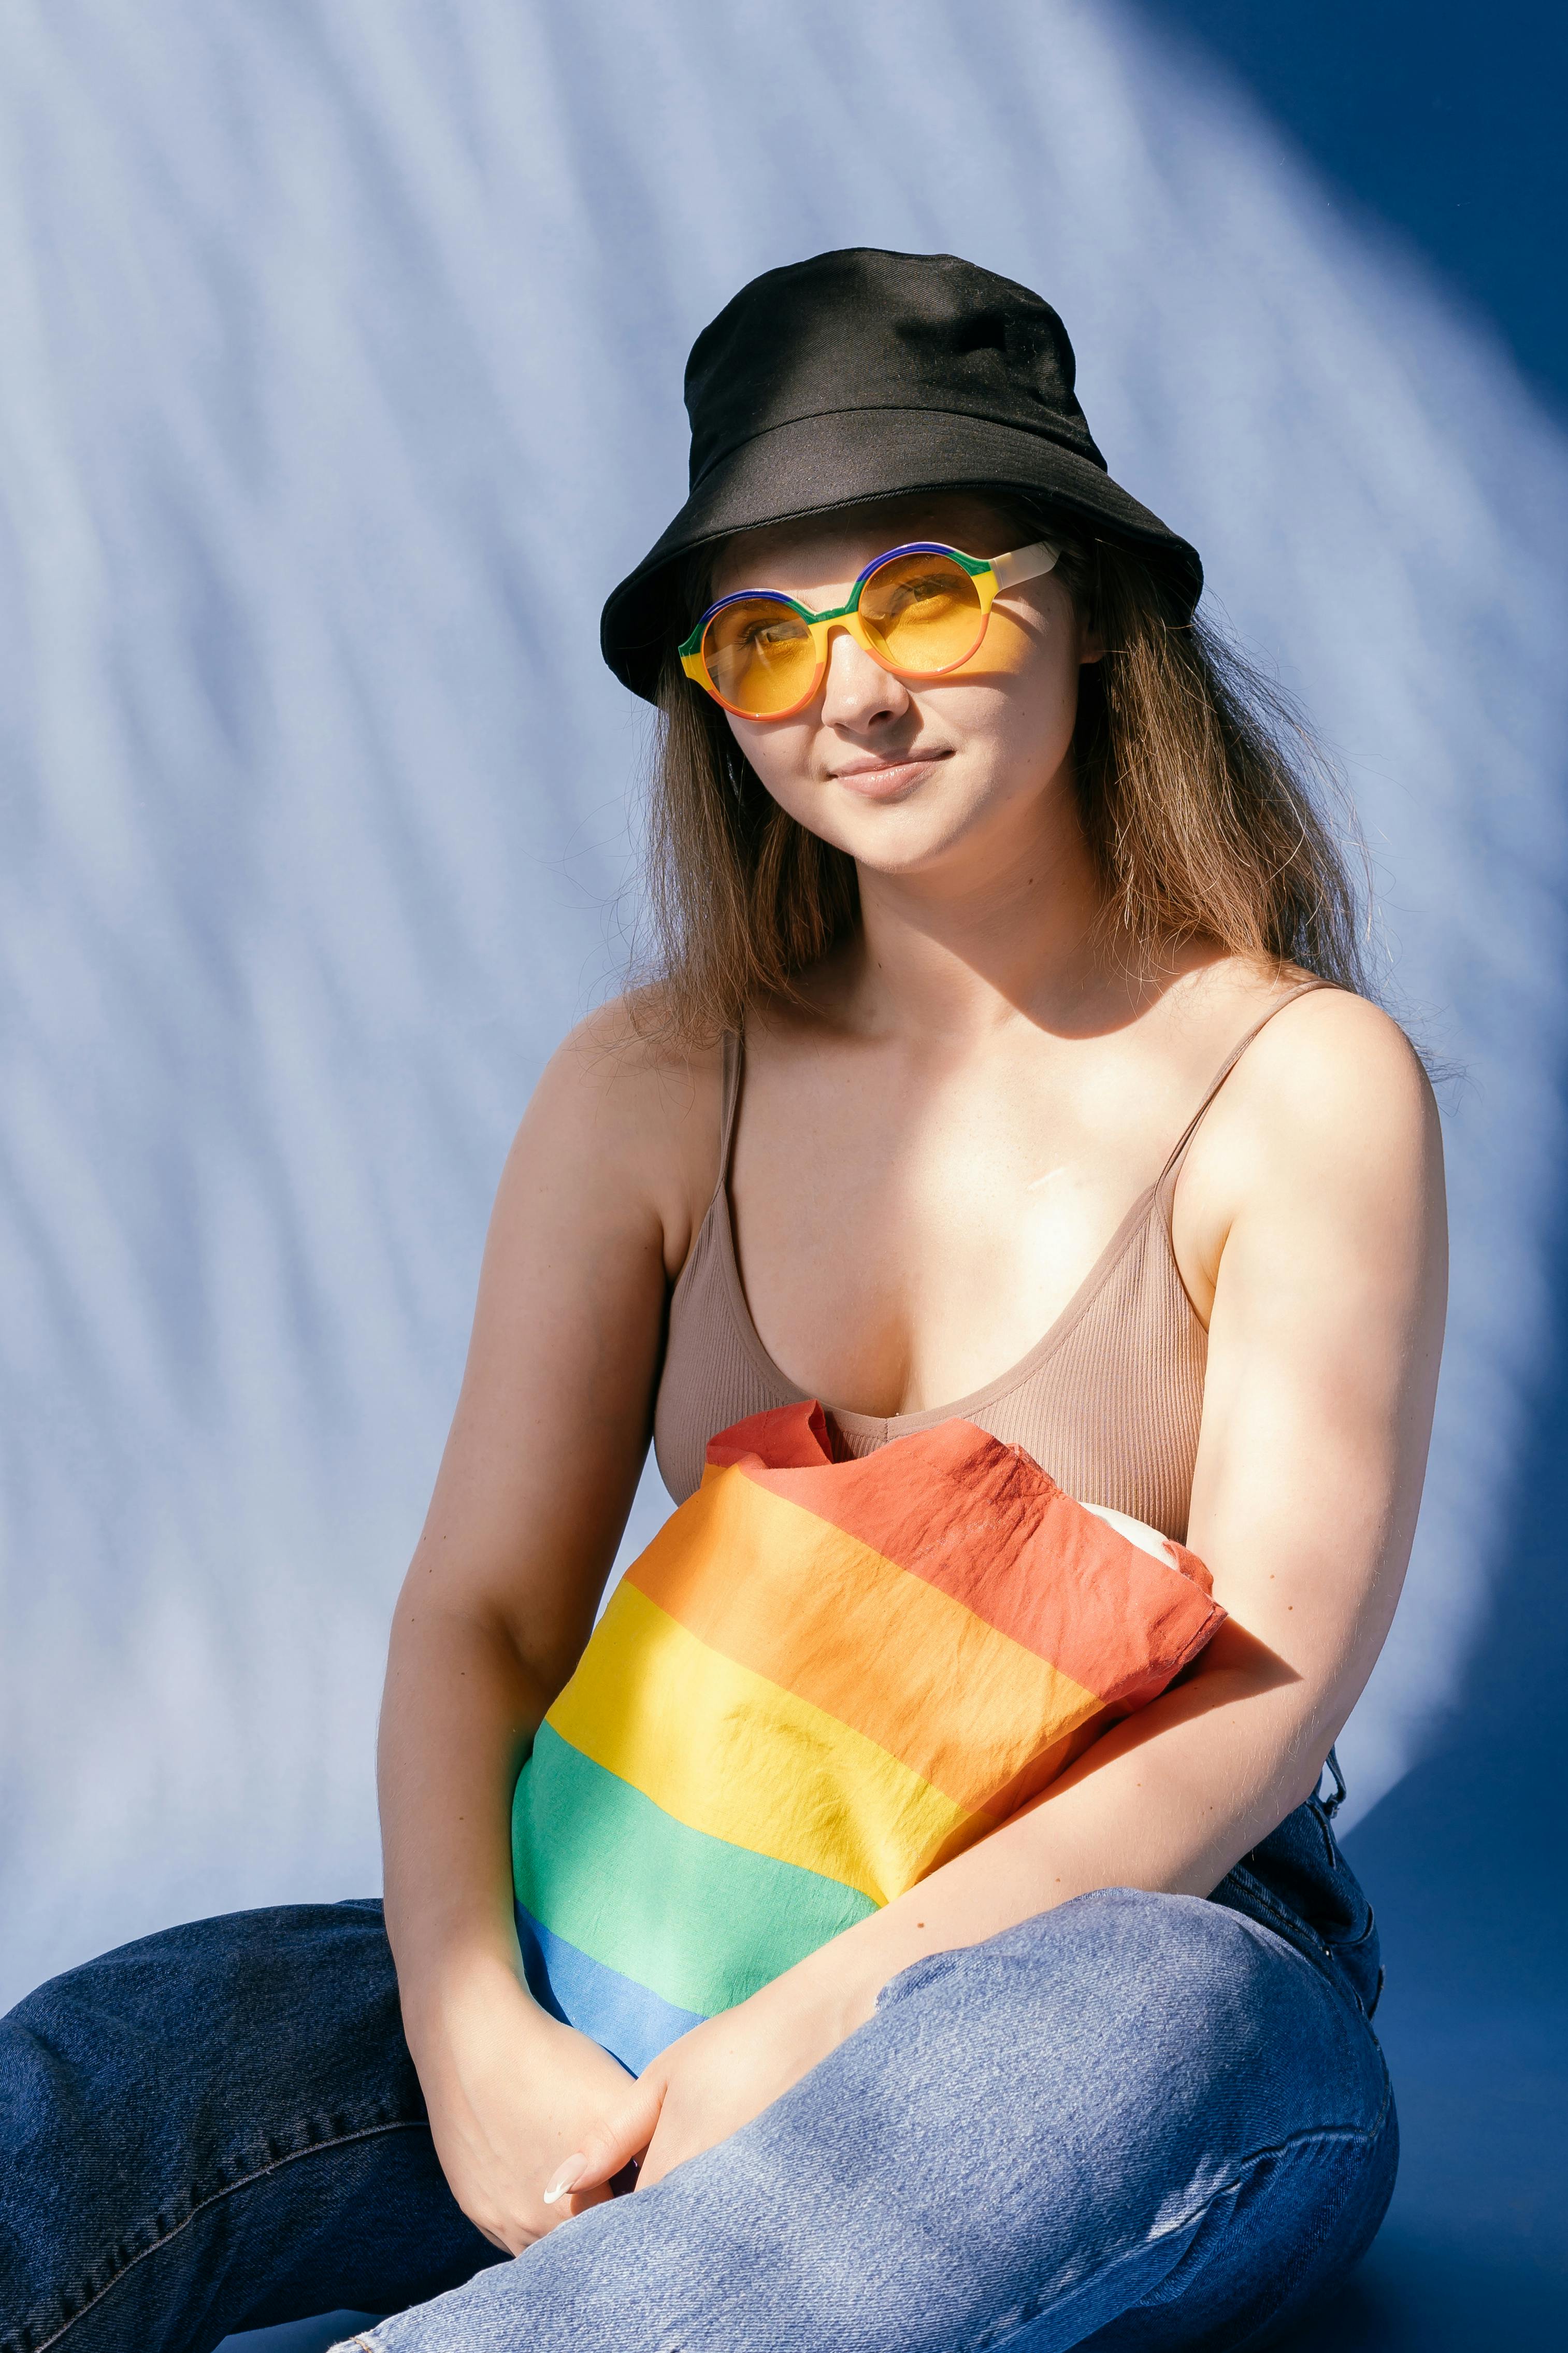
(726, 1751)
(821, 1614)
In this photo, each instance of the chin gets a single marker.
(904, 842)
(938, 814)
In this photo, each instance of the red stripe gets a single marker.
(784, 1438)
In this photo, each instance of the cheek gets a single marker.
(1039, 661)
(1013, 645)
(780, 755)
(1038, 686)
(1021, 693)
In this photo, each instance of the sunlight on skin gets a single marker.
(901, 773)
(956, 797)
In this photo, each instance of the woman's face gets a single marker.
(906, 775)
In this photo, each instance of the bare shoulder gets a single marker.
(618, 1065)
(631, 1116)
(1332, 1075)
(1327, 1127)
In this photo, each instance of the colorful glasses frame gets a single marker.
(991, 575)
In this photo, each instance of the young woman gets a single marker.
(1008, 1060)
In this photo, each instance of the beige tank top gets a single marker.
(1107, 1401)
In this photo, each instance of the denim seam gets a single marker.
(1319, 1955)
(1263, 1894)
(1271, 1904)
(294, 2157)
(1325, 1825)
(1366, 2136)
(1266, 2331)
(1291, 1929)
(1337, 1985)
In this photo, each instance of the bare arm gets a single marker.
(545, 1450)
(1319, 1211)
(1313, 1227)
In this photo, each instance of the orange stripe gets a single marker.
(983, 1522)
(815, 1610)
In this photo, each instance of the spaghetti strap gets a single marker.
(1171, 1168)
(734, 1049)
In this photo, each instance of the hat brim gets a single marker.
(816, 465)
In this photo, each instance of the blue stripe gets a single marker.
(623, 2017)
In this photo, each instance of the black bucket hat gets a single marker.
(860, 374)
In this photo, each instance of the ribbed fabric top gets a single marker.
(1107, 1401)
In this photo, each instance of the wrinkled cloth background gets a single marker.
(343, 344)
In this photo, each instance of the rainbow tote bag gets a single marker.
(820, 1681)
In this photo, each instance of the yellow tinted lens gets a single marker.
(760, 655)
(922, 613)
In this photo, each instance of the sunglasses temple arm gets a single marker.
(1024, 564)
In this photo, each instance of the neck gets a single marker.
(988, 933)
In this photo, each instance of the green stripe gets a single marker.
(700, 1922)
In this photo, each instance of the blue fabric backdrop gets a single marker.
(342, 365)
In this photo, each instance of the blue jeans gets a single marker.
(1137, 2121)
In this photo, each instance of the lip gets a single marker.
(888, 780)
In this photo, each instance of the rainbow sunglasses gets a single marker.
(920, 610)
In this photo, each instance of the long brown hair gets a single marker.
(1202, 796)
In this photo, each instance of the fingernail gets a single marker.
(567, 2175)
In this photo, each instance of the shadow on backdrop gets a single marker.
(1464, 1862)
(1456, 142)
(1452, 136)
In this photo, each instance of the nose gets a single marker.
(857, 693)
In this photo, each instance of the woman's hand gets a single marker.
(713, 2081)
(508, 2091)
